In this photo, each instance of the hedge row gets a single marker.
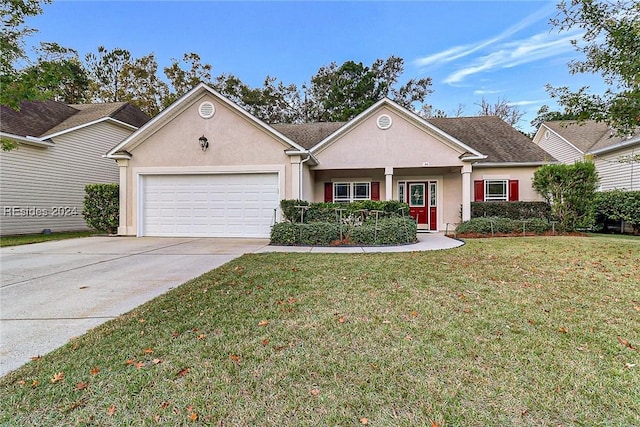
(328, 212)
(491, 225)
(513, 210)
(387, 231)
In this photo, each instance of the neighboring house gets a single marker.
(60, 149)
(617, 159)
(206, 167)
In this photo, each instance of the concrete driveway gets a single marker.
(51, 292)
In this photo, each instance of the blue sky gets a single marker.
(471, 49)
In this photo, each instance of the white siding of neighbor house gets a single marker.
(47, 184)
(558, 148)
(615, 173)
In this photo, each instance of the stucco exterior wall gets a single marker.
(236, 145)
(402, 145)
(46, 185)
(523, 174)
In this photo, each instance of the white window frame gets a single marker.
(352, 197)
(502, 197)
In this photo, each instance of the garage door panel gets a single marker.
(223, 205)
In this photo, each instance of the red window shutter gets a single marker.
(514, 194)
(375, 190)
(328, 192)
(478, 187)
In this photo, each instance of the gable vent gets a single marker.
(206, 110)
(384, 122)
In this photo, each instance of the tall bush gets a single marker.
(617, 206)
(570, 190)
(102, 207)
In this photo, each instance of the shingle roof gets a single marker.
(489, 135)
(40, 118)
(587, 136)
(308, 134)
(493, 137)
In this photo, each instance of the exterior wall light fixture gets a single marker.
(204, 142)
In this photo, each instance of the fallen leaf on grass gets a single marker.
(342, 319)
(156, 361)
(562, 330)
(148, 351)
(265, 342)
(235, 358)
(82, 386)
(139, 365)
(263, 323)
(626, 343)
(182, 372)
(36, 358)
(111, 410)
(629, 365)
(435, 424)
(315, 392)
(201, 336)
(130, 362)
(364, 421)
(193, 416)
(57, 377)
(94, 370)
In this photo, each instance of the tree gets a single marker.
(339, 93)
(183, 80)
(611, 40)
(545, 115)
(14, 13)
(141, 85)
(105, 70)
(503, 109)
(570, 191)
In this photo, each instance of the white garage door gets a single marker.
(226, 205)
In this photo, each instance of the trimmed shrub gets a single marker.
(513, 210)
(102, 207)
(327, 212)
(490, 225)
(389, 231)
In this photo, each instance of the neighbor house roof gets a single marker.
(42, 119)
(493, 137)
(587, 136)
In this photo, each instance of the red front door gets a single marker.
(422, 199)
(418, 206)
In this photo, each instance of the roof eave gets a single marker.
(513, 164)
(28, 140)
(93, 122)
(619, 146)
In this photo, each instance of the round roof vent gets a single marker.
(206, 110)
(384, 122)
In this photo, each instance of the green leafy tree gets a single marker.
(610, 45)
(184, 79)
(142, 86)
(570, 191)
(546, 115)
(339, 93)
(619, 205)
(106, 72)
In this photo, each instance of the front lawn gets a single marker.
(25, 239)
(538, 331)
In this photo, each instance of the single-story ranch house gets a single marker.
(59, 150)
(206, 167)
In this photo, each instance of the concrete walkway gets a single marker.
(54, 291)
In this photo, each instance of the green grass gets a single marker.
(515, 331)
(25, 239)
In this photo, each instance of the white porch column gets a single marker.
(466, 191)
(388, 183)
(295, 177)
(123, 165)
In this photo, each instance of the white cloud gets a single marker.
(514, 53)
